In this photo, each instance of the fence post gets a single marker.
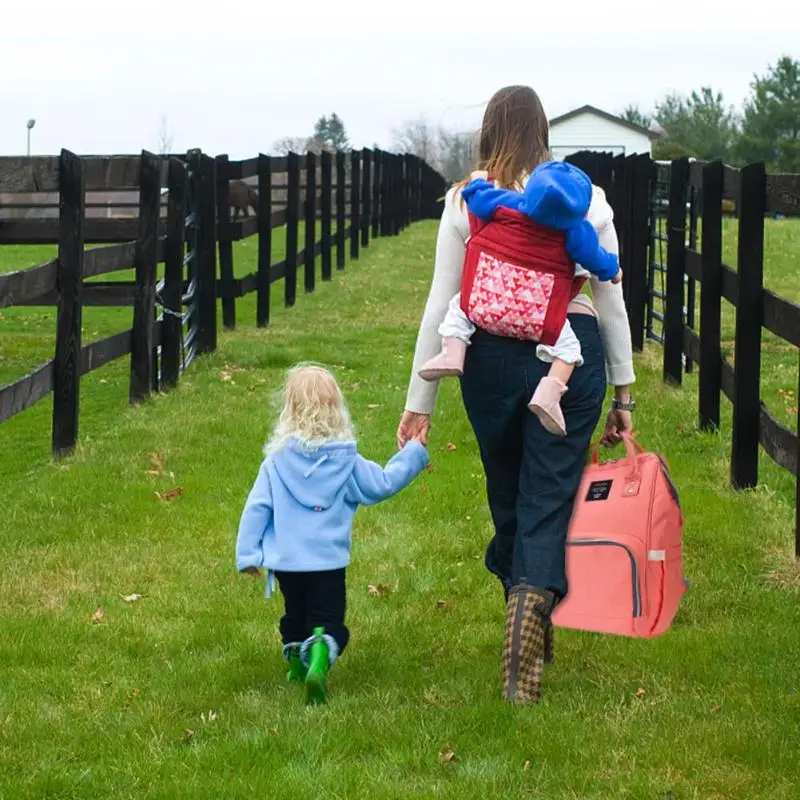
(311, 222)
(326, 180)
(224, 243)
(67, 361)
(797, 488)
(377, 179)
(206, 254)
(341, 216)
(749, 318)
(710, 379)
(172, 293)
(676, 257)
(355, 203)
(397, 195)
(264, 214)
(387, 201)
(145, 263)
(636, 262)
(366, 196)
(292, 214)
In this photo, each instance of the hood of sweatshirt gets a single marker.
(557, 195)
(315, 477)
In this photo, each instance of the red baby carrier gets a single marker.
(518, 279)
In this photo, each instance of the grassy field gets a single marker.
(179, 692)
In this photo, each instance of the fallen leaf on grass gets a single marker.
(273, 731)
(640, 692)
(170, 494)
(378, 589)
(131, 598)
(374, 405)
(441, 604)
(136, 692)
(450, 447)
(526, 766)
(188, 736)
(99, 614)
(447, 754)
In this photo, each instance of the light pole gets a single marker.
(29, 126)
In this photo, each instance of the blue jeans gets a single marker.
(532, 476)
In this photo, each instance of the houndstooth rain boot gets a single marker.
(528, 642)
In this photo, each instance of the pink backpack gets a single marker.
(624, 548)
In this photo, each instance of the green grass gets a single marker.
(104, 709)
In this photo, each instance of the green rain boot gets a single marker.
(297, 669)
(318, 666)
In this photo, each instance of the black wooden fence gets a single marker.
(705, 192)
(176, 317)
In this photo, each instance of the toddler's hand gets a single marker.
(618, 277)
(254, 571)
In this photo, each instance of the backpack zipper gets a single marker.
(637, 601)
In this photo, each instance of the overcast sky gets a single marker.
(238, 76)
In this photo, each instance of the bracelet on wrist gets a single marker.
(623, 405)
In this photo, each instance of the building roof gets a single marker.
(605, 115)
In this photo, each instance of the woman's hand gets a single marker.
(413, 426)
(617, 422)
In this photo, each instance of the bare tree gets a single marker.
(456, 154)
(418, 137)
(164, 136)
(290, 144)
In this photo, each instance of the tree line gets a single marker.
(703, 125)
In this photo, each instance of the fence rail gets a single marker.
(369, 193)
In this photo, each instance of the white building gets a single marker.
(589, 128)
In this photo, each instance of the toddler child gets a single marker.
(557, 195)
(297, 519)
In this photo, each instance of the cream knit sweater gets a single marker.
(450, 243)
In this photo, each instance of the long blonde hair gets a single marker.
(313, 410)
(514, 136)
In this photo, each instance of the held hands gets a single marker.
(618, 277)
(413, 426)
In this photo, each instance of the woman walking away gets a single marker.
(297, 520)
(532, 476)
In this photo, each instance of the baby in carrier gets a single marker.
(527, 256)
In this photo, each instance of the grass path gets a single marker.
(179, 694)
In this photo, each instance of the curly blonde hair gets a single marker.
(313, 410)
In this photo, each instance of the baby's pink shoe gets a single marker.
(546, 404)
(448, 363)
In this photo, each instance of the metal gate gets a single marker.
(657, 262)
(188, 311)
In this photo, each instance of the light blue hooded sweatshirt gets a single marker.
(299, 513)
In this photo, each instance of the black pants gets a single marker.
(311, 600)
(532, 476)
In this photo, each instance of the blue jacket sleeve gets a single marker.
(255, 517)
(583, 247)
(372, 483)
(483, 198)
